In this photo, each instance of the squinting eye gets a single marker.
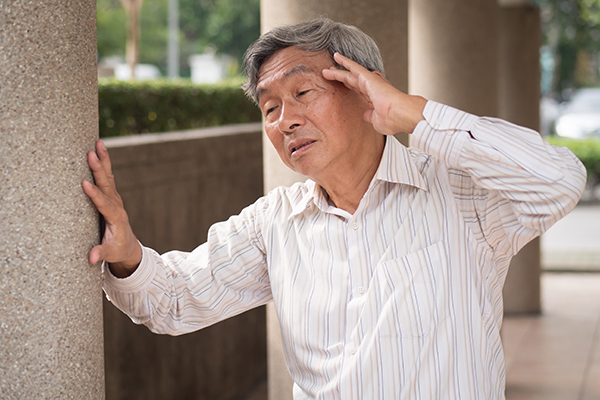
(303, 92)
(270, 110)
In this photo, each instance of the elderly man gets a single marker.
(386, 266)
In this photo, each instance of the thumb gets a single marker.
(96, 254)
(368, 115)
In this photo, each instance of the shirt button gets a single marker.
(438, 122)
(354, 225)
(360, 290)
(496, 157)
(352, 350)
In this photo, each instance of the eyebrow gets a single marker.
(297, 70)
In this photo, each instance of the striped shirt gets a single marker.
(400, 300)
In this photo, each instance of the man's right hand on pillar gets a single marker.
(119, 247)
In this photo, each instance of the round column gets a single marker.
(520, 38)
(453, 57)
(51, 300)
(482, 58)
(386, 22)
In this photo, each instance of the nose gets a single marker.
(291, 118)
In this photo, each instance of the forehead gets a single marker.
(288, 63)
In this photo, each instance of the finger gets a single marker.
(349, 81)
(354, 76)
(358, 71)
(99, 199)
(99, 253)
(368, 115)
(96, 254)
(101, 177)
(104, 158)
(110, 207)
(352, 66)
(342, 76)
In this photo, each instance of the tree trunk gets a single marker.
(132, 51)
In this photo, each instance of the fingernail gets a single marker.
(102, 145)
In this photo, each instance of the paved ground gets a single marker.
(573, 243)
(556, 355)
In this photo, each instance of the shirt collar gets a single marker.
(396, 166)
(313, 195)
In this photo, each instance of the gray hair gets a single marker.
(316, 35)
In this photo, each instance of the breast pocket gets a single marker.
(412, 293)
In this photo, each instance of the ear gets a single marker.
(379, 74)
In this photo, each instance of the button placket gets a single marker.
(356, 284)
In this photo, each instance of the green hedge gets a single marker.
(588, 151)
(165, 105)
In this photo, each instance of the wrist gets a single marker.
(407, 112)
(125, 268)
(416, 108)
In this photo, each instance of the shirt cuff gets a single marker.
(141, 277)
(443, 132)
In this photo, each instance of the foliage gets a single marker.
(228, 26)
(166, 105)
(154, 35)
(111, 21)
(572, 33)
(588, 151)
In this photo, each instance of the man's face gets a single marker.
(316, 125)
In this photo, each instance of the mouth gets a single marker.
(299, 146)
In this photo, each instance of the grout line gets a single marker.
(521, 342)
(590, 360)
(564, 270)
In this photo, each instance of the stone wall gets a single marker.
(174, 187)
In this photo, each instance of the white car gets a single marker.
(142, 72)
(580, 117)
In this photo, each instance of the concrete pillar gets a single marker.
(51, 301)
(520, 38)
(453, 55)
(483, 59)
(386, 21)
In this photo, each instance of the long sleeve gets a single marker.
(179, 292)
(499, 168)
